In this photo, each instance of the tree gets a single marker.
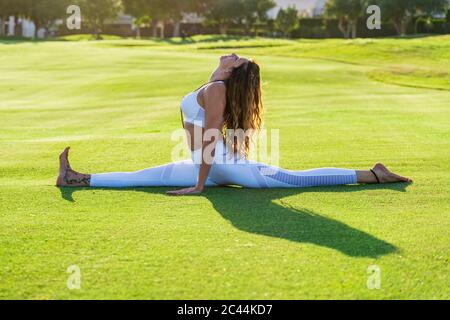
(347, 12)
(11, 8)
(223, 13)
(255, 12)
(176, 9)
(6, 9)
(138, 9)
(157, 12)
(402, 12)
(429, 7)
(96, 12)
(161, 12)
(43, 12)
(287, 20)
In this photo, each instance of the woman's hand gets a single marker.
(186, 191)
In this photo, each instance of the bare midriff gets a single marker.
(194, 135)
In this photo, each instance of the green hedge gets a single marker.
(427, 25)
(328, 28)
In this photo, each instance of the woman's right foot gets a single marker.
(386, 176)
(67, 177)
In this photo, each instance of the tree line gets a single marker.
(95, 13)
(248, 15)
(44, 13)
(399, 12)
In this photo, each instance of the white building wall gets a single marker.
(305, 7)
(28, 28)
(11, 26)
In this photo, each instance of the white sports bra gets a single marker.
(192, 111)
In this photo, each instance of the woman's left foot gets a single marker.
(386, 176)
(67, 177)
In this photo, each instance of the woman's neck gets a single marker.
(219, 74)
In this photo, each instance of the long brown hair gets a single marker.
(244, 106)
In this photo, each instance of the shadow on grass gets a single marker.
(254, 211)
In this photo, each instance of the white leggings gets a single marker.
(244, 173)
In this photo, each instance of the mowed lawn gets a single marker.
(116, 103)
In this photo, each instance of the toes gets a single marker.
(388, 176)
(401, 178)
(407, 179)
(65, 153)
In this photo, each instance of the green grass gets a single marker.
(116, 103)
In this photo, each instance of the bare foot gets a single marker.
(67, 177)
(387, 176)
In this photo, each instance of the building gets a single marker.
(306, 8)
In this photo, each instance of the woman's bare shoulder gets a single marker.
(215, 90)
(217, 85)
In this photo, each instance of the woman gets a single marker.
(231, 100)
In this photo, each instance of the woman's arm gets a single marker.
(215, 100)
(214, 107)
